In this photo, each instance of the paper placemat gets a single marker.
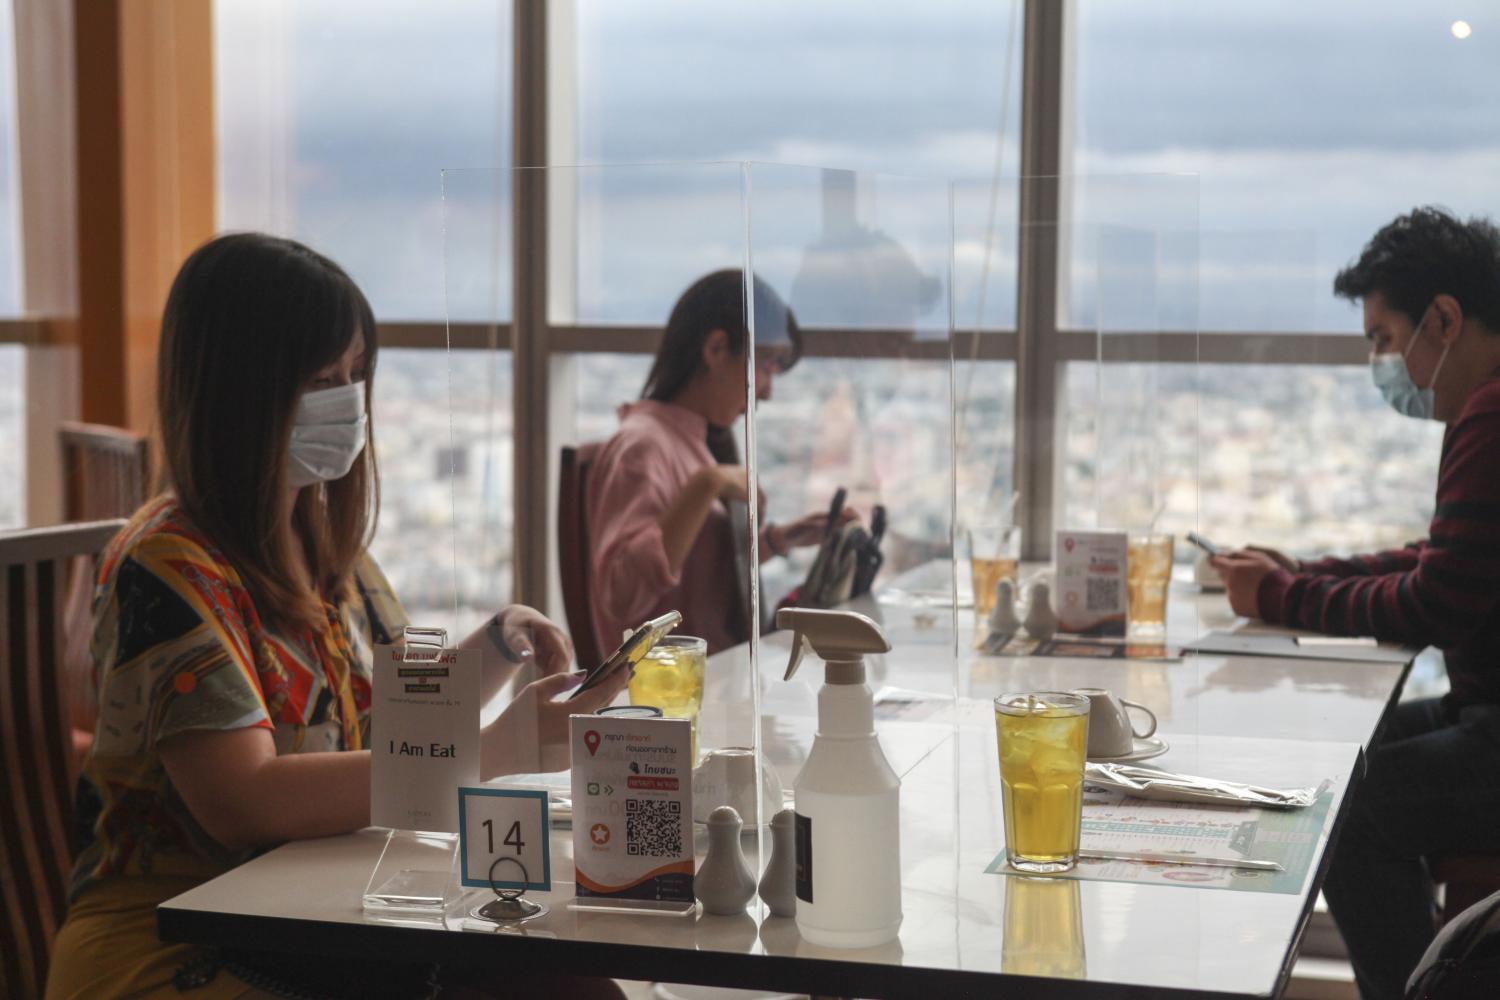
(1112, 821)
(1286, 647)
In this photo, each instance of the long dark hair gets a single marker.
(250, 319)
(715, 302)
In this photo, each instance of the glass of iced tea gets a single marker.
(994, 555)
(1043, 739)
(1148, 572)
(670, 677)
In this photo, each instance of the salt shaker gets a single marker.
(1041, 621)
(1003, 618)
(724, 883)
(778, 886)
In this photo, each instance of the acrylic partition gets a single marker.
(831, 334)
(624, 244)
(853, 450)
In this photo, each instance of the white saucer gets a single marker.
(1145, 749)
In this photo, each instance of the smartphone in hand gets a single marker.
(1204, 544)
(631, 651)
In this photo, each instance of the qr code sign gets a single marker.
(653, 828)
(1103, 593)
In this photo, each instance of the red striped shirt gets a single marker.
(1443, 592)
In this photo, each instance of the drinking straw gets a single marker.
(1160, 508)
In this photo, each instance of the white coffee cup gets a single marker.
(1111, 733)
(727, 778)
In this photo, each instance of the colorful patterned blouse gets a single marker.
(178, 646)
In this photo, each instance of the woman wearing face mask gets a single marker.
(235, 616)
(1430, 287)
(661, 528)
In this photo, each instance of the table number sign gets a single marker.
(1091, 582)
(504, 839)
(633, 812)
(424, 734)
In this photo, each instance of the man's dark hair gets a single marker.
(1426, 253)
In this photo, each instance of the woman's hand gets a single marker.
(532, 735)
(523, 634)
(809, 530)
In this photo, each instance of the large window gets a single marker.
(897, 89)
(336, 118)
(1308, 126)
(930, 91)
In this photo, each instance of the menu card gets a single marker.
(424, 736)
(1091, 582)
(633, 812)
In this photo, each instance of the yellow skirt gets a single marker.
(108, 946)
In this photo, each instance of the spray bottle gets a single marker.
(848, 811)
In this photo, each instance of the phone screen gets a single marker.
(631, 651)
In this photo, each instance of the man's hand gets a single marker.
(1242, 572)
(526, 634)
(1285, 562)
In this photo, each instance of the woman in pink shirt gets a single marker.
(666, 493)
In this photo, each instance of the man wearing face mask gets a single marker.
(1430, 288)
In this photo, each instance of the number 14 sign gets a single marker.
(504, 839)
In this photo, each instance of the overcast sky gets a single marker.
(1309, 124)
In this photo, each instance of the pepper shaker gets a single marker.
(1041, 621)
(1003, 617)
(724, 883)
(778, 886)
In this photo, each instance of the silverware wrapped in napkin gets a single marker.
(1145, 782)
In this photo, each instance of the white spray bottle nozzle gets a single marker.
(841, 638)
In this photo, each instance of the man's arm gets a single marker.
(1453, 588)
(1372, 564)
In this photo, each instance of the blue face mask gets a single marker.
(1394, 380)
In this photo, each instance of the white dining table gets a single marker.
(1265, 720)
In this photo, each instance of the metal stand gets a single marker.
(509, 905)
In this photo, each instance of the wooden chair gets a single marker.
(106, 471)
(36, 798)
(573, 555)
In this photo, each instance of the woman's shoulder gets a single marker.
(649, 429)
(162, 537)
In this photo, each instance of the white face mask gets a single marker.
(328, 433)
(1395, 383)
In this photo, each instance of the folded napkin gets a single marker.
(1146, 782)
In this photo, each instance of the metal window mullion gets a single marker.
(1038, 367)
(529, 300)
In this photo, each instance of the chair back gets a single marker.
(36, 798)
(573, 553)
(106, 471)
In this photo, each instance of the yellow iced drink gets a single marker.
(670, 677)
(1148, 572)
(986, 573)
(1043, 739)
